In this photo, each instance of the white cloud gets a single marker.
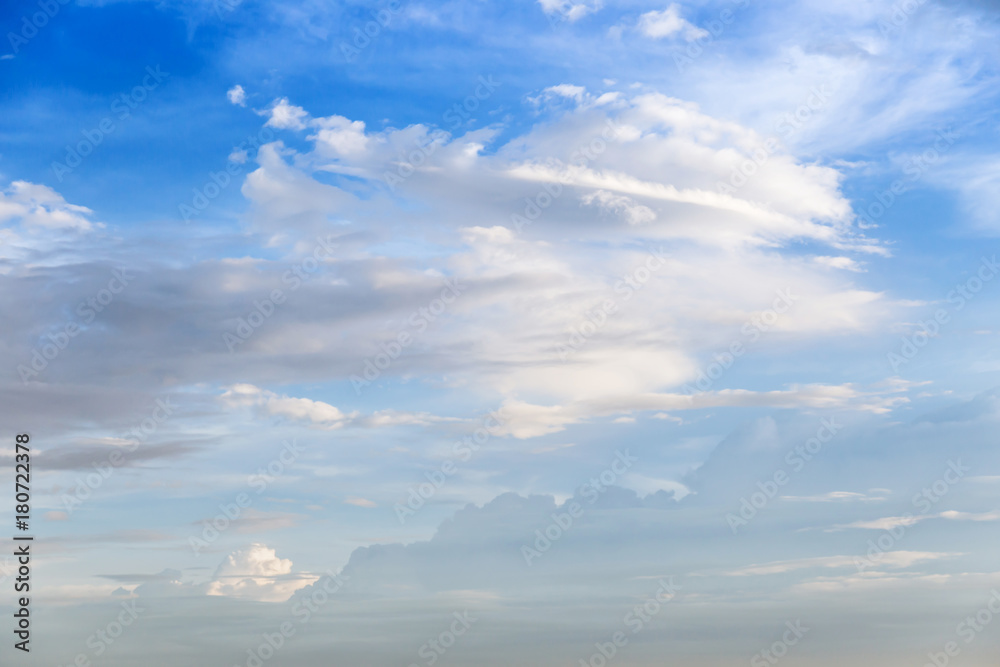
(256, 573)
(667, 23)
(845, 263)
(578, 94)
(285, 116)
(528, 289)
(40, 207)
(566, 90)
(569, 10)
(340, 135)
(237, 95)
(654, 180)
(525, 420)
(632, 212)
(271, 404)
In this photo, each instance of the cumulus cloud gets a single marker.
(257, 573)
(237, 95)
(667, 23)
(653, 152)
(646, 170)
(253, 573)
(340, 135)
(285, 116)
(528, 289)
(39, 207)
(639, 176)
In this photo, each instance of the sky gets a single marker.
(549, 333)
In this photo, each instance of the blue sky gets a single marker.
(512, 310)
